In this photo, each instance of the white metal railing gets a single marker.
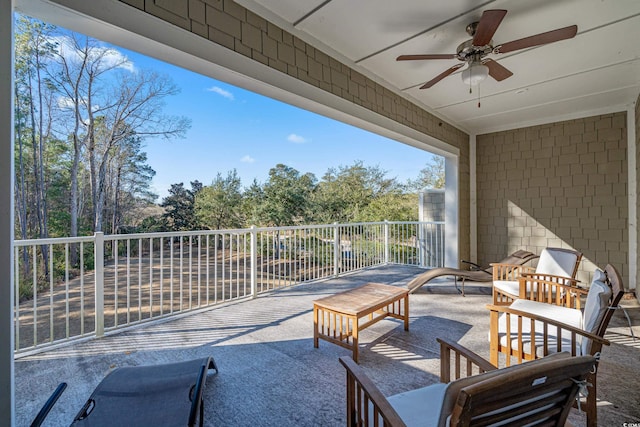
(67, 288)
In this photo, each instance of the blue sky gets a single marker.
(234, 128)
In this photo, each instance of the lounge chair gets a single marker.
(476, 274)
(156, 395)
(535, 393)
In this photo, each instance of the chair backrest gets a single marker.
(559, 262)
(519, 257)
(540, 390)
(604, 295)
(529, 393)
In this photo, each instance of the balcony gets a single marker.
(269, 371)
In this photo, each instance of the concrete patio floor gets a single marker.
(271, 375)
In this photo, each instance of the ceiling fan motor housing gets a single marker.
(466, 51)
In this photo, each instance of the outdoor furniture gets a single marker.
(476, 274)
(540, 391)
(336, 318)
(527, 329)
(156, 395)
(555, 264)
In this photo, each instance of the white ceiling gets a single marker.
(597, 71)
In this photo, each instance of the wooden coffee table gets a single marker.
(336, 318)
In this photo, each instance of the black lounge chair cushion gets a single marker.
(157, 395)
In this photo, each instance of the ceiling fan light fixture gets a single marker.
(475, 73)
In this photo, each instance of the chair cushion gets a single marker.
(510, 287)
(558, 263)
(420, 407)
(565, 315)
(596, 305)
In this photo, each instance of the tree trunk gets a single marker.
(21, 199)
(115, 218)
(99, 196)
(39, 176)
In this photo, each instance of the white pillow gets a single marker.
(596, 305)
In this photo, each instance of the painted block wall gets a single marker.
(556, 185)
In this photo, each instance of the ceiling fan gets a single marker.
(474, 51)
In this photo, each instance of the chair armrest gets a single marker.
(42, 414)
(545, 320)
(552, 289)
(510, 271)
(365, 400)
(449, 349)
(560, 280)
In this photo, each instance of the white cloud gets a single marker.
(297, 139)
(65, 102)
(109, 57)
(222, 92)
(247, 159)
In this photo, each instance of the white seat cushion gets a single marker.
(565, 315)
(511, 287)
(420, 407)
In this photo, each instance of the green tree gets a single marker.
(128, 183)
(34, 101)
(219, 205)
(392, 207)
(431, 176)
(252, 200)
(286, 196)
(180, 207)
(34, 98)
(344, 193)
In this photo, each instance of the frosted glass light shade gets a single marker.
(475, 73)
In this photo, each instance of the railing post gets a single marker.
(386, 241)
(254, 262)
(422, 243)
(336, 249)
(98, 261)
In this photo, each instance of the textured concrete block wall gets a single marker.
(556, 185)
(228, 24)
(433, 208)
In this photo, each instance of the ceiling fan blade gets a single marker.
(440, 76)
(497, 71)
(487, 26)
(539, 39)
(426, 56)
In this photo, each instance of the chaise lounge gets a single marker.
(157, 395)
(476, 274)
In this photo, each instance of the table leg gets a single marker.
(355, 340)
(406, 312)
(315, 326)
